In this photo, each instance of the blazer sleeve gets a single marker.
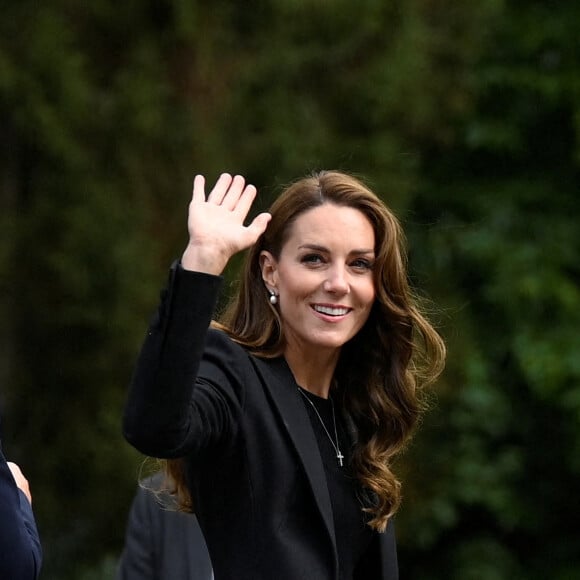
(186, 390)
(20, 550)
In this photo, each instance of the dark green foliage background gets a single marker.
(465, 117)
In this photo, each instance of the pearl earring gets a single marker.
(273, 297)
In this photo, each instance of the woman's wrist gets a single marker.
(202, 259)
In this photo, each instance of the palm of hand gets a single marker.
(216, 224)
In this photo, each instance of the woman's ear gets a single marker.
(269, 268)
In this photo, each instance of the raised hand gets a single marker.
(216, 224)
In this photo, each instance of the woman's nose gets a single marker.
(336, 281)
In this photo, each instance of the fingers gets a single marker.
(235, 191)
(220, 189)
(245, 200)
(198, 189)
(230, 192)
(259, 225)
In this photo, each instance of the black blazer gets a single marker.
(162, 543)
(255, 472)
(20, 551)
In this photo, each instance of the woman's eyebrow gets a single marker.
(319, 248)
(362, 251)
(313, 247)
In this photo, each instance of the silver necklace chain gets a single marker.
(339, 454)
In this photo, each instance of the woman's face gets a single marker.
(323, 277)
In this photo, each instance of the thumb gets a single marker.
(259, 224)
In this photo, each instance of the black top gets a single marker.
(353, 536)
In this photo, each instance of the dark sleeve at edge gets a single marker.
(20, 550)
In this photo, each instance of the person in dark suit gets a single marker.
(20, 550)
(162, 543)
(281, 421)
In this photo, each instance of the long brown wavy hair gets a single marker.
(383, 369)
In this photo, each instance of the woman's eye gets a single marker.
(362, 264)
(312, 259)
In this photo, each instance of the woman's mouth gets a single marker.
(331, 310)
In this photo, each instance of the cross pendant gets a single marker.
(340, 457)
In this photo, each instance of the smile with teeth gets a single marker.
(330, 310)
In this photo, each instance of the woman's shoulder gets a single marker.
(218, 338)
(218, 333)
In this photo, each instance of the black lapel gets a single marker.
(284, 391)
